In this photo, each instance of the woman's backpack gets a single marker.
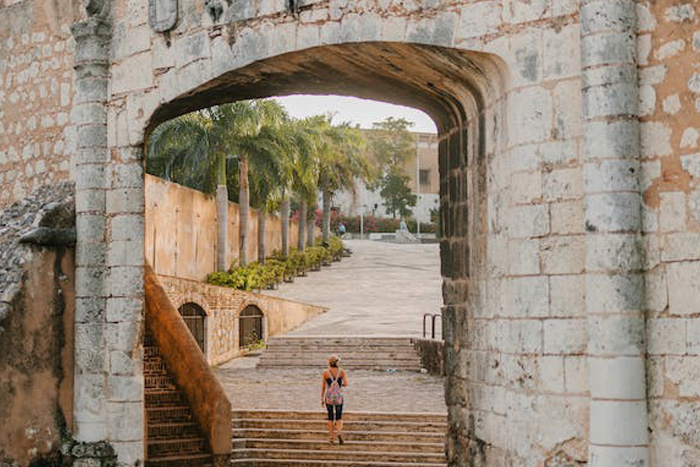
(334, 393)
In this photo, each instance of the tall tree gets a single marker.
(396, 193)
(342, 163)
(392, 146)
(250, 122)
(305, 172)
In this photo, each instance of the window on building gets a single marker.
(424, 176)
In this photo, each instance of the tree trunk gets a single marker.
(222, 226)
(244, 211)
(302, 226)
(326, 224)
(285, 227)
(311, 229)
(262, 246)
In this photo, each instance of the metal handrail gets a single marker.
(433, 319)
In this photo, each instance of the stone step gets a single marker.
(345, 359)
(351, 444)
(173, 430)
(337, 455)
(186, 460)
(379, 436)
(159, 382)
(349, 351)
(347, 416)
(154, 365)
(375, 426)
(176, 447)
(155, 397)
(381, 366)
(174, 414)
(342, 340)
(325, 463)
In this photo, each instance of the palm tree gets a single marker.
(249, 122)
(342, 163)
(195, 150)
(304, 170)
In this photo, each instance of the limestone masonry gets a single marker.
(569, 193)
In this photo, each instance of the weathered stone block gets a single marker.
(617, 378)
(614, 253)
(666, 336)
(618, 140)
(526, 296)
(614, 293)
(609, 417)
(562, 255)
(479, 19)
(523, 257)
(672, 212)
(562, 185)
(565, 336)
(683, 288)
(613, 212)
(566, 296)
(616, 335)
(609, 48)
(611, 175)
(611, 15)
(127, 227)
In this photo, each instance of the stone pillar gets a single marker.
(90, 166)
(108, 394)
(614, 253)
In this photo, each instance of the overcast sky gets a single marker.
(355, 110)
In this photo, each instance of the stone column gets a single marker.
(90, 164)
(614, 253)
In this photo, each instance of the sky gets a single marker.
(361, 111)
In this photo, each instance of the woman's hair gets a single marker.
(333, 361)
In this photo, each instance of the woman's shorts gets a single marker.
(335, 412)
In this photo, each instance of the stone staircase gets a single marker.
(174, 437)
(266, 438)
(365, 353)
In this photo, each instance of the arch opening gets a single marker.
(250, 326)
(195, 319)
(463, 92)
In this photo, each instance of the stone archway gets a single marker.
(462, 91)
(506, 100)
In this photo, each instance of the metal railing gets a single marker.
(433, 318)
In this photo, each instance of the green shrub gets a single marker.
(256, 276)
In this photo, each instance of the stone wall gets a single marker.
(37, 306)
(36, 93)
(223, 306)
(669, 44)
(181, 231)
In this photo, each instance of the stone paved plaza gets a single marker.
(382, 289)
(300, 389)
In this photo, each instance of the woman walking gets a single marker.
(334, 379)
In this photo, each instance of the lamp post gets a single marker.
(417, 186)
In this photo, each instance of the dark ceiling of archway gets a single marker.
(439, 81)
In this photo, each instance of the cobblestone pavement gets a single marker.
(382, 289)
(300, 389)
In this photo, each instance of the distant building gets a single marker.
(427, 178)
